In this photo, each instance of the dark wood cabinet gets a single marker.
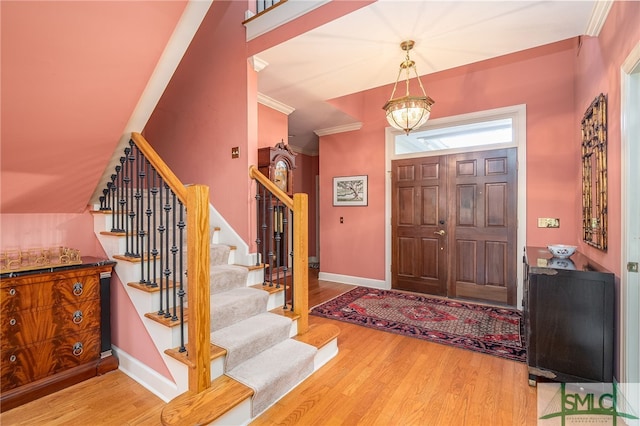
(54, 329)
(569, 310)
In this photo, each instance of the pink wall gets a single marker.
(305, 182)
(50, 229)
(273, 126)
(209, 107)
(598, 64)
(128, 332)
(72, 74)
(552, 151)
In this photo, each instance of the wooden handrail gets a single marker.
(256, 174)
(161, 167)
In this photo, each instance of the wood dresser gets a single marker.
(569, 307)
(55, 329)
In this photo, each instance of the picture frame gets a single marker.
(350, 190)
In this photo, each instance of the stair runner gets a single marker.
(260, 352)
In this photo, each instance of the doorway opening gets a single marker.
(630, 280)
(507, 129)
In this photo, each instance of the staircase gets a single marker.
(256, 355)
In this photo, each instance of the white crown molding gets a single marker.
(285, 12)
(598, 17)
(338, 129)
(277, 105)
(633, 59)
(257, 63)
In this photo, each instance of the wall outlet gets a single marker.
(548, 222)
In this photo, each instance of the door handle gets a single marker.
(440, 232)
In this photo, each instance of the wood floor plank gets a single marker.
(377, 378)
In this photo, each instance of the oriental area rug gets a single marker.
(481, 328)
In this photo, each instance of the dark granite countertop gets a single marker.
(87, 262)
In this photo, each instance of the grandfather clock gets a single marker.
(276, 163)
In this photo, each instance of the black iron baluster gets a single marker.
(285, 250)
(291, 287)
(263, 253)
(271, 258)
(154, 214)
(103, 199)
(122, 199)
(125, 214)
(163, 257)
(114, 201)
(258, 239)
(181, 292)
(174, 253)
(139, 196)
(167, 270)
(277, 227)
(130, 200)
(148, 213)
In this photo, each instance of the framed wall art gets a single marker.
(594, 174)
(350, 191)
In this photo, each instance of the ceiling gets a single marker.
(361, 50)
(61, 61)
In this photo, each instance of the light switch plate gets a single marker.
(548, 222)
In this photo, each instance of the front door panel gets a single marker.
(454, 225)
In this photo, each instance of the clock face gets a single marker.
(281, 174)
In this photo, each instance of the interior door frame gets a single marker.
(630, 297)
(518, 113)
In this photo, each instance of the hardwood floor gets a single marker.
(377, 378)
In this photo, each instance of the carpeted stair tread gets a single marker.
(219, 254)
(227, 277)
(246, 338)
(236, 305)
(275, 371)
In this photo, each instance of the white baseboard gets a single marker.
(346, 279)
(150, 379)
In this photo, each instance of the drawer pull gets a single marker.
(12, 321)
(12, 358)
(77, 289)
(77, 317)
(78, 349)
(12, 292)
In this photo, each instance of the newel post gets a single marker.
(301, 260)
(198, 286)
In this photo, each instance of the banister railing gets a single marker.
(283, 243)
(151, 208)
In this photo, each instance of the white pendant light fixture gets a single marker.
(408, 112)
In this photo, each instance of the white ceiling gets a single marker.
(361, 50)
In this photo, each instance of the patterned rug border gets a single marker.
(515, 352)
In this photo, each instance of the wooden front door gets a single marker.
(454, 225)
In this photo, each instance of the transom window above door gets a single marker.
(486, 133)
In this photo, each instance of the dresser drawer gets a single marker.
(23, 328)
(29, 363)
(38, 292)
